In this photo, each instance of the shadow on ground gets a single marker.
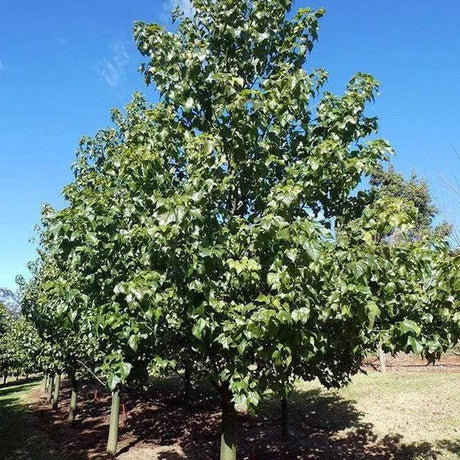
(158, 425)
(20, 439)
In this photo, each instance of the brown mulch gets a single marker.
(157, 425)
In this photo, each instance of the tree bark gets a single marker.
(5, 377)
(381, 353)
(228, 436)
(50, 388)
(57, 386)
(187, 383)
(113, 430)
(284, 419)
(73, 400)
(45, 383)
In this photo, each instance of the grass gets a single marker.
(20, 439)
(418, 411)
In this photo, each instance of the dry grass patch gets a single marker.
(417, 410)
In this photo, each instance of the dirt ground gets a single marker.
(158, 425)
(409, 363)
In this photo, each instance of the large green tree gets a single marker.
(216, 225)
(264, 162)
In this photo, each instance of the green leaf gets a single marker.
(198, 328)
(408, 325)
(125, 370)
(373, 312)
(133, 342)
(416, 346)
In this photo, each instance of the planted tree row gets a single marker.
(19, 346)
(218, 232)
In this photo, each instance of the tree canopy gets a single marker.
(220, 230)
(414, 192)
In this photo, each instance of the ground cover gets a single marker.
(20, 437)
(398, 415)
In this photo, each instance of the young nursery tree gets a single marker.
(264, 163)
(213, 226)
(415, 199)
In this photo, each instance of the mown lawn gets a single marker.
(20, 439)
(414, 415)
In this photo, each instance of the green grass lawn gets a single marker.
(20, 439)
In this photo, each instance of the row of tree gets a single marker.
(19, 346)
(219, 233)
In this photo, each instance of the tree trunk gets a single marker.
(5, 377)
(228, 437)
(187, 383)
(45, 383)
(113, 430)
(284, 419)
(57, 385)
(50, 388)
(381, 353)
(73, 400)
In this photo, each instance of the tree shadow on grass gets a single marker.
(158, 425)
(20, 386)
(322, 426)
(450, 445)
(21, 381)
(19, 438)
(87, 437)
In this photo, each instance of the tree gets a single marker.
(19, 345)
(45, 302)
(6, 322)
(258, 178)
(414, 192)
(5, 319)
(411, 282)
(215, 225)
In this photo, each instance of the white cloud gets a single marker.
(113, 69)
(1, 65)
(109, 73)
(60, 39)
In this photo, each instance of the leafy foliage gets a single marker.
(388, 183)
(219, 229)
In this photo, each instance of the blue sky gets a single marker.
(64, 64)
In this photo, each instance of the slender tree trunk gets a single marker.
(228, 437)
(381, 353)
(45, 382)
(114, 419)
(187, 382)
(73, 400)
(5, 377)
(284, 419)
(50, 388)
(57, 386)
